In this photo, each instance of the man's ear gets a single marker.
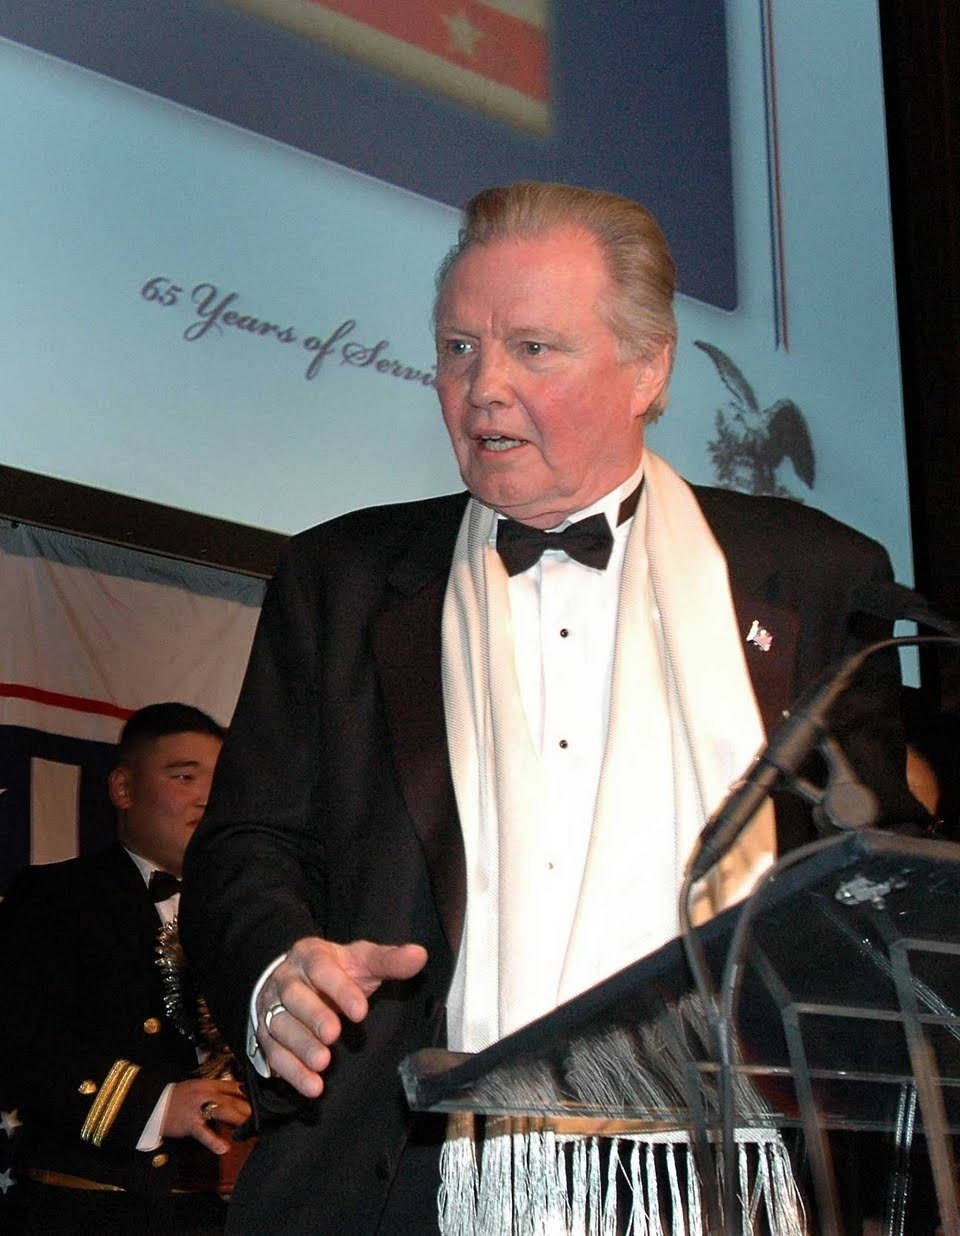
(118, 785)
(653, 373)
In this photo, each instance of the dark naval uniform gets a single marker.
(86, 1049)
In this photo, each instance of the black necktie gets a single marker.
(163, 885)
(589, 541)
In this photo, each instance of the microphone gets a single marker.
(785, 751)
(846, 802)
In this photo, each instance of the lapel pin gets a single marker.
(759, 636)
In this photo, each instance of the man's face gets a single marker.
(543, 415)
(161, 794)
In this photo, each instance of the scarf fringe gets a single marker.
(532, 1180)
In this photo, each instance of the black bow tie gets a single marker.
(589, 541)
(163, 885)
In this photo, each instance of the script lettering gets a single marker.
(325, 347)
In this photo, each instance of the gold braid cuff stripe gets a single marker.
(103, 1111)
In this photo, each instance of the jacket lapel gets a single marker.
(768, 626)
(135, 922)
(406, 646)
(769, 633)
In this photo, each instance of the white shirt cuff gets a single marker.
(254, 1051)
(152, 1134)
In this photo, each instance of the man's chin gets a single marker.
(539, 512)
(521, 502)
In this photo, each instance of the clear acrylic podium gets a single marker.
(837, 984)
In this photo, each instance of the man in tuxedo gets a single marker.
(118, 1130)
(468, 746)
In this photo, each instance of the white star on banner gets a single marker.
(464, 36)
(6, 1181)
(9, 1122)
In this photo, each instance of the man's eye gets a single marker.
(533, 347)
(457, 347)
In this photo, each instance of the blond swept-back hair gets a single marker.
(639, 262)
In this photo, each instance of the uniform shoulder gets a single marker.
(45, 876)
(50, 888)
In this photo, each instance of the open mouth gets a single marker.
(496, 442)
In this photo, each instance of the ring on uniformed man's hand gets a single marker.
(207, 1109)
(271, 1013)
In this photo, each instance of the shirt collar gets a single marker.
(608, 505)
(143, 865)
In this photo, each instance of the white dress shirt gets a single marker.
(564, 618)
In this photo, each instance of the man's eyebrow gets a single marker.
(536, 330)
(175, 764)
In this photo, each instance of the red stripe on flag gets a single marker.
(76, 703)
(505, 50)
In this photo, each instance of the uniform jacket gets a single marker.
(79, 992)
(333, 810)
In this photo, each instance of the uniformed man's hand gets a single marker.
(198, 1105)
(300, 1005)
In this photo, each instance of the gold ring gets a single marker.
(207, 1109)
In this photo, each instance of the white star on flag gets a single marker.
(463, 35)
(492, 55)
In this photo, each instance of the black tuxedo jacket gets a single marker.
(79, 989)
(333, 809)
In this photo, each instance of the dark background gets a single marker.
(922, 83)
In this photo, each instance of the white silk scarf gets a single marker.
(684, 724)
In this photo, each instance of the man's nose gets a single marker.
(490, 379)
